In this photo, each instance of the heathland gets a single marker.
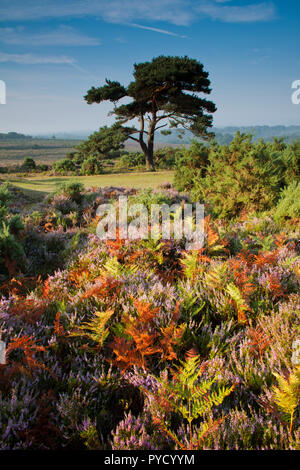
(140, 343)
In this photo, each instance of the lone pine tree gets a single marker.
(165, 92)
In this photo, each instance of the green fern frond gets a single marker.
(216, 278)
(192, 397)
(190, 264)
(234, 293)
(115, 269)
(287, 394)
(95, 329)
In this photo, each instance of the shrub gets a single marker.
(29, 164)
(91, 166)
(64, 166)
(289, 203)
(147, 197)
(71, 189)
(190, 164)
(235, 179)
(165, 157)
(291, 162)
(11, 251)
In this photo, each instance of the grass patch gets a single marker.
(47, 184)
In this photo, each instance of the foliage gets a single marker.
(287, 394)
(191, 398)
(11, 250)
(289, 203)
(91, 166)
(101, 143)
(158, 92)
(72, 189)
(95, 329)
(190, 164)
(29, 164)
(238, 178)
(64, 166)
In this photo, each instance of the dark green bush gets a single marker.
(72, 189)
(288, 206)
(241, 177)
(165, 157)
(190, 164)
(91, 166)
(64, 166)
(28, 164)
(11, 250)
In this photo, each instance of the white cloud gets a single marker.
(63, 36)
(173, 11)
(32, 59)
(237, 14)
(177, 12)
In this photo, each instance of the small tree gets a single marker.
(164, 93)
(102, 142)
(29, 164)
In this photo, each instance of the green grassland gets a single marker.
(13, 152)
(47, 184)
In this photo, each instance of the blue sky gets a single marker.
(52, 52)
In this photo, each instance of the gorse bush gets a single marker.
(288, 206)
(11, 251)
(71, 189)
(91, 166)
(190, 164)
(64, 166)
(241, 177)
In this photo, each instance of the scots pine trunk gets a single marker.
(150, 146)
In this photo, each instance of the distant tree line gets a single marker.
(14, 136)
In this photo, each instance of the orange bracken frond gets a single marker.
(145, 312)
(275, 287)
(79, 275)
(58, 328)
(29, 347)
(29, 310)
(46, 289)
(266, 258)
(259, 341)
(115, 246)
(171, 335)
(20, 286)
(280, 240)
(191, 353)
(48, 227)
(105, 288)
(126, 355)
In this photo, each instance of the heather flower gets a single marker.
(131, 434)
